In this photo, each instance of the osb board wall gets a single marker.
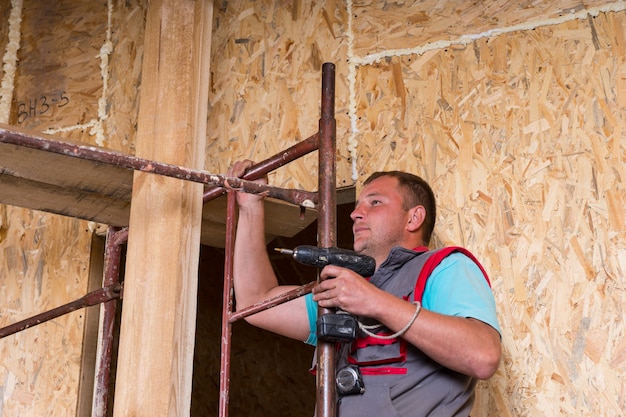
(522, 137)
(39, 367)
(5, 13)
(266, 83)
(79, 70)
(515, 112)
(77, 75)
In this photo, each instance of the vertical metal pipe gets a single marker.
(327, 232)
(112, 260)
(227, 303)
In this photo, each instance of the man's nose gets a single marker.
(357, 213)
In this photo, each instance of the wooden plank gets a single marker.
(22, 192)
(90, 334)
(66, 172)
(155, 360)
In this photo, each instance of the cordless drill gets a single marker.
(340, 327)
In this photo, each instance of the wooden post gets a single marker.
(155, 360)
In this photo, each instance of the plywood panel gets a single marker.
(382, 27)
(59, 82)
(43, 257)
(40, 367)
(266, 87)
(123, 75)
(5, 13)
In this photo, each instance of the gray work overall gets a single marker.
(401, 381)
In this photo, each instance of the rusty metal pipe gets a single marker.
(227, 303)
(116, 237)
(325, 142)
(46, 143)
(91, 299)
(273, 302)
(327, 233)
(262, 168)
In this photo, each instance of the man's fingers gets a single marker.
(239, 168)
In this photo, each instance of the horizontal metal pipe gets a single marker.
(262, 168)
(92, 153)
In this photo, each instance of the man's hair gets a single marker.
(417, 192)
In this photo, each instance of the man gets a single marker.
(432, 346)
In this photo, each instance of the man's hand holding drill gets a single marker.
(346, 290)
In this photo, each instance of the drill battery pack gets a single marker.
(339, 328)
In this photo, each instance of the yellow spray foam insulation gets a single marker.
(352, 142)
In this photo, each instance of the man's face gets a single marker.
(379, 218)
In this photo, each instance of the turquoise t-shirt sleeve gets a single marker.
(457, 287)
(311, 309)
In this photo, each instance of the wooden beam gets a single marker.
(159, 310)
(90, 333)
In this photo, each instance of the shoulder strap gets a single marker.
(434, 259)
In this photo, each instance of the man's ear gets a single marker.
(417, 215)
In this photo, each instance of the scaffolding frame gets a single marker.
(324, 141)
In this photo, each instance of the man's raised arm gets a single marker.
(254, 277)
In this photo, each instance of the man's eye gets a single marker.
(375, 202)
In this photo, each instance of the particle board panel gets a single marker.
(51, 78)
(385, 27)
(123, 75)
(266, 81)
(58, 79)
(43, 264)
(522, 138)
